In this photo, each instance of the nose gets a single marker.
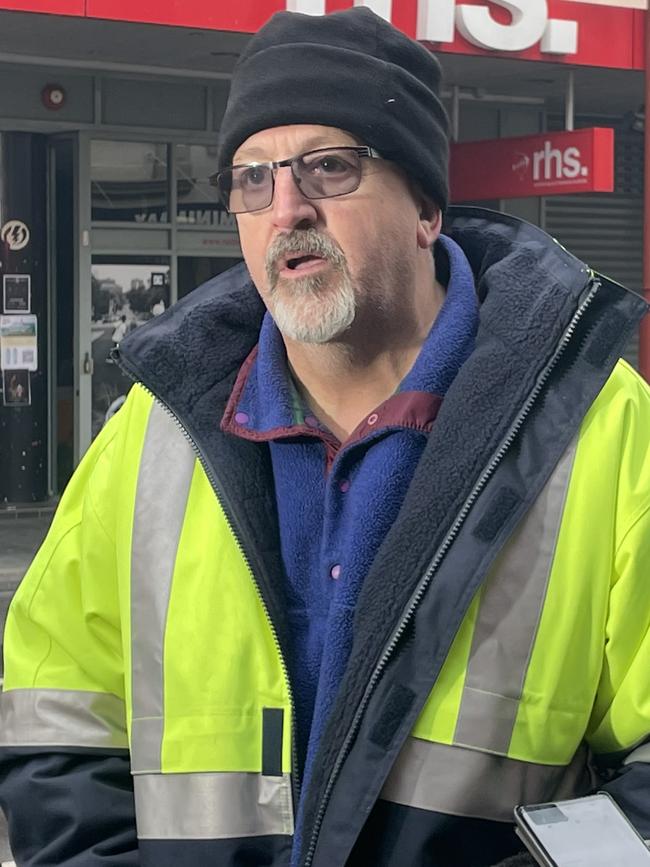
(291, 210)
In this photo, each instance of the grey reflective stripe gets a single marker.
(508, 619)
(640, 754)
(165, 475)
(212, 806)
(464, 782)
(62, 718)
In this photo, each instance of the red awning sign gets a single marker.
(550, 164)
(603, 33)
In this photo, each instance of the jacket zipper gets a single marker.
(592, 288)
(295, 781)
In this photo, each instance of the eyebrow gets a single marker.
(320, 141)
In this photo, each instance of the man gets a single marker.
(344, 582)
(119, 333)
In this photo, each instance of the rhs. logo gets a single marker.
(520, 165)
(553, 165)
(550, 166)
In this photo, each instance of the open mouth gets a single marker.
(299, 263)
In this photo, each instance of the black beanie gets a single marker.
(350, 70)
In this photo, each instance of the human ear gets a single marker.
(429, 223)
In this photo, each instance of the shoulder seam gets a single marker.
(641, 513)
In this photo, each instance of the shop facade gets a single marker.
(109, 119)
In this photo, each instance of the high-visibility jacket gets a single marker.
(501, 651)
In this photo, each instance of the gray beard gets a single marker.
(306, 310)
(311, 309)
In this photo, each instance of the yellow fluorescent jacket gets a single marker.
(140, 626)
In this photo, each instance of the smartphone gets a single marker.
(585, 832)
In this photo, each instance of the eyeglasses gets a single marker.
(318, 174)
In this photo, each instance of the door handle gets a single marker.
(89, 364)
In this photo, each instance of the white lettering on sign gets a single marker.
(520, 165)
(307, 7)
(530, 24)
(437, 20)
(525, 29)
(560, 37)
(383, 8)
(552, 164)
(193, 216)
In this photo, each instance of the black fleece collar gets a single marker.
(203, 339)
(529, 288)
(189, 358)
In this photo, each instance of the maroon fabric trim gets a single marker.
(296, 430)
(406, 409)
(416, 410)
(228, 423)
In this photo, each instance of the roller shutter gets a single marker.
(606, 229)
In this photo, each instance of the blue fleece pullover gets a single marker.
(336, 502)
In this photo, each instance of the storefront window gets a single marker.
(195, 270)
(197, 201)
(126, 293)
(129, 181)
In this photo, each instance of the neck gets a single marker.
(344, 380)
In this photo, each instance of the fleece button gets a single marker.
(372, 419)
(344, 486)
(241, 417)
(335, 571)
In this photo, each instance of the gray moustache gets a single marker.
(301, 245)
(273, 269)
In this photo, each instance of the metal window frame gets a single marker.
(84, 253)
(52, 301)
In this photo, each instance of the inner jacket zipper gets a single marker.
(591, 287)
(232, 525)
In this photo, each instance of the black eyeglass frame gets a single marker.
(360, 150)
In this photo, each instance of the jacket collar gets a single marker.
(532, 293)
(529, 288)
(204, 338)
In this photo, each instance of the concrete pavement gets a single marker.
(20, 538)
(21, 533)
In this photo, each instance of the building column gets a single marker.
(23, 306)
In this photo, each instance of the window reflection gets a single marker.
(129, 181)
(126, 293)
(196, 270)
(197, 201)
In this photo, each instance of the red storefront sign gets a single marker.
(51, 7)
(594, 25)
(535, 165)
(605, 33)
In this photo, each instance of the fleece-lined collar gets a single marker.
(265, 404)
(530, 289)
(204, 339)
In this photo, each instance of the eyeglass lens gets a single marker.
(319, 175)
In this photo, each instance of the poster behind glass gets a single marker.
(126, 293)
